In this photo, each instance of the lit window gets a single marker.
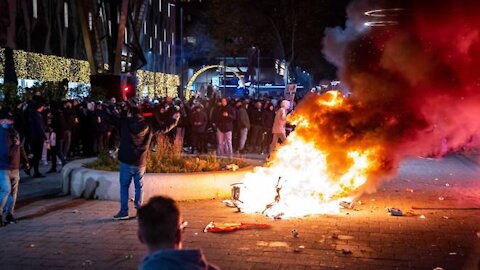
(65, 14)
(35, 10)
(90, 20)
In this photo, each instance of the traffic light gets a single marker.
(128, 91)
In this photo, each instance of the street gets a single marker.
(64, 232)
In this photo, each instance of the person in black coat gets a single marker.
(224, 118)
(135, 137)
(198, 122)
(37, 131)
(268, 117)
(256, 131)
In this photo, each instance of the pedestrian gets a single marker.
(9, 167)
(38, 136)
(268, 117)
(224, 118)
(69, 120)
(101, 128)
(243, 125)
(135, 137)
(256, 132)
(53, 147)
(198, 121)
(278, 129)
(160, 228)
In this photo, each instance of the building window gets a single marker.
(90, 21)
(65, 13)
(35, 9)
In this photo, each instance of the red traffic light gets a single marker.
(126, 88)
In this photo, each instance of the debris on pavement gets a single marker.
(346, 251)
(409, 190)
(31, 246)
(346, 205)
(229, 203)
(298, 249)
(359, 202)
(231, 227)
(447, 184)
(422, 217)
(87, 263)
(334, 236)
(232, 167)
(75, 211)
(436, 179)
(441, 198)
(478, 234)
(295, 233)
(395, 212)
(452, 253)
(445, 217)
(128, 257)
(438, 268)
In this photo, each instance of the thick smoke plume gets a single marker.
(415, 86)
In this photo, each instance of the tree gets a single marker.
(291, 29)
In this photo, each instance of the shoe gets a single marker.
(121, 216)
(10, 219)
(1, 221)
(38, 175)
(27, 169)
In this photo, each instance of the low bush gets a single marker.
(168, 159)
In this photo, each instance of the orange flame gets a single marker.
(303, 176)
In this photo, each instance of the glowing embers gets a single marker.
(386, 16)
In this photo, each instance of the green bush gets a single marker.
(167, 159)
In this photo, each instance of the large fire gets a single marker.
(415, 87)
(304, 175)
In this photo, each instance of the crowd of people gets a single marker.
(83, 129)
(35, 131)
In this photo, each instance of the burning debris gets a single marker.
(395, 212)
(231, 227)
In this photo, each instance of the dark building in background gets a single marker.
(116, 37)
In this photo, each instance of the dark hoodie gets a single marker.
(176, 260)
(135, 137)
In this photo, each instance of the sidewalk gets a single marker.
(64, 232)
(32, 188)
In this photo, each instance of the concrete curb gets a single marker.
(82, 182)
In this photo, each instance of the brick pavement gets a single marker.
(77, 234)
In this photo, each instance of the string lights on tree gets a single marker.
(50, 68)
